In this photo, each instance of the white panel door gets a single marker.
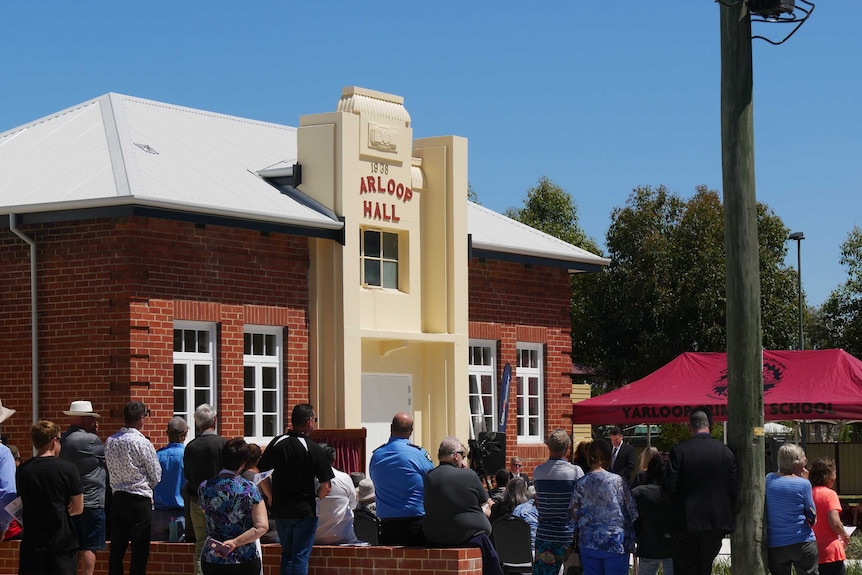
(383, 395)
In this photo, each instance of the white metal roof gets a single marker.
(496, 233)
(118, 150)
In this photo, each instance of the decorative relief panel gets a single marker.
(382, 137)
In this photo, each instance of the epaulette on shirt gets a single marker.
(425, 453)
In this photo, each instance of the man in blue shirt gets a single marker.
(167, 495)
(398, 471)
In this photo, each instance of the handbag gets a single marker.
(572, 558)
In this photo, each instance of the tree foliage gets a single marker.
(838, 323)
(664, 291)
(551, 209)
(472, 194)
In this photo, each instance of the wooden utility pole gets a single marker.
(744, 352)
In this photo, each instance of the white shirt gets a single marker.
(335, 512)
(133, 465)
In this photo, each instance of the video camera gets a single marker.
(479, 451)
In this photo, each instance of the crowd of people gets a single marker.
(671, 511)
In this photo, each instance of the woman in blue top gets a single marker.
(790, 515)
(605, 512)
(235, 516)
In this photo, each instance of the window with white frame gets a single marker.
(262, 377)
(530, 383)
(194, 368)
(379, 251)
(483, 385)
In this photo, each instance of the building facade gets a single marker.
(175, 256)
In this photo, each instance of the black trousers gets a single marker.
(694, 551)
(402, 531)
(250, 568)
(131, 520)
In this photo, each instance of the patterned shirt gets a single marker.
(227, 501)
(133, 466)
(605, 511)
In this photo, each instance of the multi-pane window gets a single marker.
(262, 374)
(530, 383)
(379, 258)
(194, 368)
(483, 386)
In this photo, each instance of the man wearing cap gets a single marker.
(7, 469)
(398, 471)
(83, 448)
(365, 499)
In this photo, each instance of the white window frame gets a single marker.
(399, 261)
(476, 372)
(523, 395)
(192, 360)
(258, 363)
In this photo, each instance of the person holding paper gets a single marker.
(235, 516)
(264, 483)
(7, 474)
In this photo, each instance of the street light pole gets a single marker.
(799, 236)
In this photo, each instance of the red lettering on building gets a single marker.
(366, 209)
(371, 187)
(363, 189)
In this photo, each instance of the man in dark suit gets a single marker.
(515, 467)
(701, 480)
(622, 456)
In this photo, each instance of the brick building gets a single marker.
(176, 256)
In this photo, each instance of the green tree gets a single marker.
(664, 291)
(840, 317)
(551, 209)
(472, 194)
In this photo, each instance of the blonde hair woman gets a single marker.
(640, 474)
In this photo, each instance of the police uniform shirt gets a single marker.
(398, 471)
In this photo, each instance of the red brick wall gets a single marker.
(516, 303)
(176, 559)
(109, 292)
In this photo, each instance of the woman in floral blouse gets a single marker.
(605, 512)
(235, 516)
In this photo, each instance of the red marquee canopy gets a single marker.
(818, 384)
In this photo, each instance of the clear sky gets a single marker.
(599, 96)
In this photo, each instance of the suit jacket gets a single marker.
(702, 482)
(624, 465)
(524, 476)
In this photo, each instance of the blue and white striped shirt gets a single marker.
(554, 481)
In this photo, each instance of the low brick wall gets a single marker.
(176, 559)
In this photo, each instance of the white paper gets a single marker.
(258, 477)
(15, 508)
(849, 530)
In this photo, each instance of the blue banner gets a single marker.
(504, 398)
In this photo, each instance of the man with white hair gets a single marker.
(201, 461)
(457, 506)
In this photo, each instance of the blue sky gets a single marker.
(600, 97)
